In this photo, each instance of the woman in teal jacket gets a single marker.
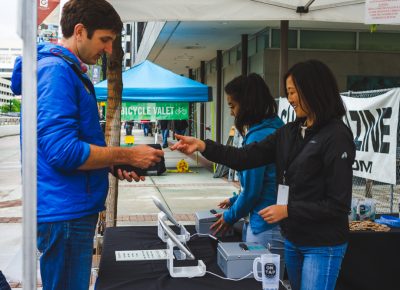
(254, 110)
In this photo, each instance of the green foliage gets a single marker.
(373, 28)
(13, 106)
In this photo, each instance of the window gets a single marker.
(252, 47)
(225, 59)
(341, 40)
(276, 38)
(232, 55)
(379, 41)
(263, 40)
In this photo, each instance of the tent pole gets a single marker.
(28, 32)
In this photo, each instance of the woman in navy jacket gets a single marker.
(313, 157)
(255, 111)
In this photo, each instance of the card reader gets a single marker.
(204, 219)
(236, 259)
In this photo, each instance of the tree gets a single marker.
(14, 105)
(113, 125)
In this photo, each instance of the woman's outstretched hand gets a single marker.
(188, 145)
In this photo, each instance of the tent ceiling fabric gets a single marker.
(207, 10)
(148, 82)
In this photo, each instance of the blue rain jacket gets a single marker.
(258, 184)
(67, 122)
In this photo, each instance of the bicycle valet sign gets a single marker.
(373, 122)
(154, 111)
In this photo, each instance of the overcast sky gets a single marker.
(8, 23)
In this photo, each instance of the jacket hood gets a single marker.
(44, 50)
(273, 122)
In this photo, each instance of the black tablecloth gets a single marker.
(372, 262)
(154, 275)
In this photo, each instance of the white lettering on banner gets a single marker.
(373, 122)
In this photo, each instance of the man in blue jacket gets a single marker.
(73, 160)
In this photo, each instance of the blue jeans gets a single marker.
(313, 268)
(67, 250)
(180, 132)
(146, 129)
(165, 134)
(273, 237)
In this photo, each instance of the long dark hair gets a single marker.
(317, 87)
(254, 98)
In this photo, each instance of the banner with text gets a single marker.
(154, 111)
(374, 124)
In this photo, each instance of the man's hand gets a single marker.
(141, 156)
(226, 203)
(188, 144)
(126, 175)
(274, 213)
(144, 156)
(220, 225)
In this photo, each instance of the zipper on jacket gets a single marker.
(284, 178)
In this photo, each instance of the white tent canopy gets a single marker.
(204, 10)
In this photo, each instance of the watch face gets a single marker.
(270, 270)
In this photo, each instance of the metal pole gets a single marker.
(29, 140)
(391, 198)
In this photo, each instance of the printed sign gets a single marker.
(382, 11)
(141, 255)
(373, 122)
(154, 111)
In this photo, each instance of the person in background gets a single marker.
(180, 126)
(128, 127)
(164, 127)
(145, 125)
(73, 161)
(254, 110)
(314, 157)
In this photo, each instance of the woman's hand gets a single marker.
(274, 213)
(188, 144)
(220, 225)
(226, 203)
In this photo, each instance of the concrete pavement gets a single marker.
(9, 130)
(184, 193)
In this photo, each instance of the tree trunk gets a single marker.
(113, 125)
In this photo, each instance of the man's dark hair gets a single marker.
(93, 14)
(317, 88)
(254, 98)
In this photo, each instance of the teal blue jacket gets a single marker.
(258, 184)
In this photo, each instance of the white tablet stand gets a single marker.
(183, 237)
(182, 253)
